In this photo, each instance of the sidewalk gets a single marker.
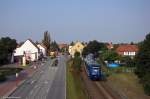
(7, 87)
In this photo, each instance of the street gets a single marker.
(48, 82)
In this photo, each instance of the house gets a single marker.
(77, 47)
(110, 46)
(63, 47)
(42, 49)
(127, 50)
(29, 50)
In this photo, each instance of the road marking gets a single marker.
(11, 98)
(47, 90)
(45, 82)
(32, 81)
(36, 86)
(41, 72)
(31, 92)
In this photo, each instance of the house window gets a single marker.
(125, 53)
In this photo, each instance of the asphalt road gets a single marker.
(48, 82)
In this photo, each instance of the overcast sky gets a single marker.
(71, 20)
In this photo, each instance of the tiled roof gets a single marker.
(63, 45)
(127, 48)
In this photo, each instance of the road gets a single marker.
(48, 82)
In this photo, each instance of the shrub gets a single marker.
(147, 89)
(77, 61)
(2, 77)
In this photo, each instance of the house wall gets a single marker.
(78, 47)
(42, 49)
(129, 53)
(28, 48)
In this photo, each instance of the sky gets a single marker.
(75, 20)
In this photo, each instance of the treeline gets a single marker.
(7, 46)
(142, 61)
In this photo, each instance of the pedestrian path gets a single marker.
(10, 85)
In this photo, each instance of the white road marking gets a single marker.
(31, 92)
(32, 81)
(48, 89)
(36, 86)
(45, 82)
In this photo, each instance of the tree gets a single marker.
(54, 46)
(110, 56)
(94, 47)
(46, 40)
(127, 60)
(77, 61)
(7, 46)
(72, 43)
(142, 60)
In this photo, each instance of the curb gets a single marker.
(19, 84)
(13, 89)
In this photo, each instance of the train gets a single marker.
(93, 69)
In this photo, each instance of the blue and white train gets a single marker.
(92, 68)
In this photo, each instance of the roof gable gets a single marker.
(31, 43)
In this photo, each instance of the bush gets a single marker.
(77, 61)
(2, 77)
(147, 89)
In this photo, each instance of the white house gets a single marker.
(28, 49)
(42, 49)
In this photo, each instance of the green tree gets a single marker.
(54, 46)
(77, 61)
(72, 43)
(46, 40)
(142, 60)
(7, 46)
(127, 60)
(110, 55)
(94, 47)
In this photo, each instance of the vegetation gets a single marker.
(143, 64)
(54, 46)
(8, 71)
(75, 87)
(77, 61)
(127, 85)
(110, 55)
(46, 40)
(72, 43)
(7, 46)
(94, 47)
(2, 77)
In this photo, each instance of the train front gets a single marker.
(95, 72)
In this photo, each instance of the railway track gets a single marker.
(98, 89)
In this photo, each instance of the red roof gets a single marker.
(127, 48)
(63, 46)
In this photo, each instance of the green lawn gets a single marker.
(127, 84)
(75, 87)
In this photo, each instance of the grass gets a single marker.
(9, 71)
(127, 84)
(75, 88)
